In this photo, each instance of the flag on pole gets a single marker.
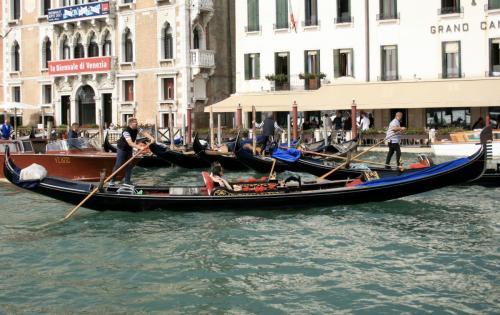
(293, 23)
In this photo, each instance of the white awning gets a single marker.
(373, 95)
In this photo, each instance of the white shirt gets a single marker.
(390, 132)
(364, 123)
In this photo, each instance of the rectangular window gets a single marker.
(16, 94)
(253, 15)
(450, 7)
(312, 69)
(451, 60)
(343, 11)
(493, 4)
(128, 90)
(252, 66)
(281, 14)
(448, 117)
(47, 94)
(389, 63)
(311, 17)
(168, 88)
(343, 63)
(495, 57)
(282, 71)
(16, 9)
(45, 7)
(388, 9)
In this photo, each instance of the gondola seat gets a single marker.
(209, 182)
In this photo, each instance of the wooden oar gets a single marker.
(272, 169)
(332, 156)
(355, 157)
(93, 192)
(254, 136)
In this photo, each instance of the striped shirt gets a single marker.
(127, 135)
(390, 135)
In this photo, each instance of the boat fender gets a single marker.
(34, 172)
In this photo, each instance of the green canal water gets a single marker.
(437, 252)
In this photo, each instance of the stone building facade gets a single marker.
(94, 62)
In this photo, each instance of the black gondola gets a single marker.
(228, 160)
(146, 161)
(186, 159)
(282, 195)
(490, 178)
(307, 164)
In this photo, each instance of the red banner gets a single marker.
(82, 65)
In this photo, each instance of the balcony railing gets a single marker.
(93, 10)
(343, 19)
(389, 77)
(203, 5)
(452, 75)
(450, 10)
(202, 58)
(491, 6)
(388, 16)
(310, 22)
(253, 28)
(280, 26)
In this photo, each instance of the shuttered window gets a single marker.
(343, 63)
(493, 4)
(389, 63)
(451, 60)
(495, 57)
(253, 15)
(311, 17)
(281, 14)
(252, 66)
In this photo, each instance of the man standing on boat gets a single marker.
(73, 133)
(268, 127)
(125, 146)
(394, 137)
(6, 130)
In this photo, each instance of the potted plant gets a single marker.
(312, 80)
(280, 81)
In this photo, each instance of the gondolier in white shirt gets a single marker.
(394, 137)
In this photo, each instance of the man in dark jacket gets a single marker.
(125, 146)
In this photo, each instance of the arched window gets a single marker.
(128, 46)
(196, 38)
(79, 50)
(106, 45)
(168, 42)
(93, 50)
(46, 52)
(65, 49)
(16, 57)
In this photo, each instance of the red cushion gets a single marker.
(209, 182)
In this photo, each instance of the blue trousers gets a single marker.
(123, 156)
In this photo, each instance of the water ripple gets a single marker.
(436, 252)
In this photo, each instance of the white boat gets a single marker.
(464, 144)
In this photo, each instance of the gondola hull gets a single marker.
(229, 161)
(182, 159)
(308, 195)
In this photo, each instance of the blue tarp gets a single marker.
(290, 155)
(440, 168)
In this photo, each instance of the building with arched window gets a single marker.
(90, 66)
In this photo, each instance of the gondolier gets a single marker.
(268, 127)
(6, 129)
(394, 137)
(125, 146)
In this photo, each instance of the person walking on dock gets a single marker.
(394, 139)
